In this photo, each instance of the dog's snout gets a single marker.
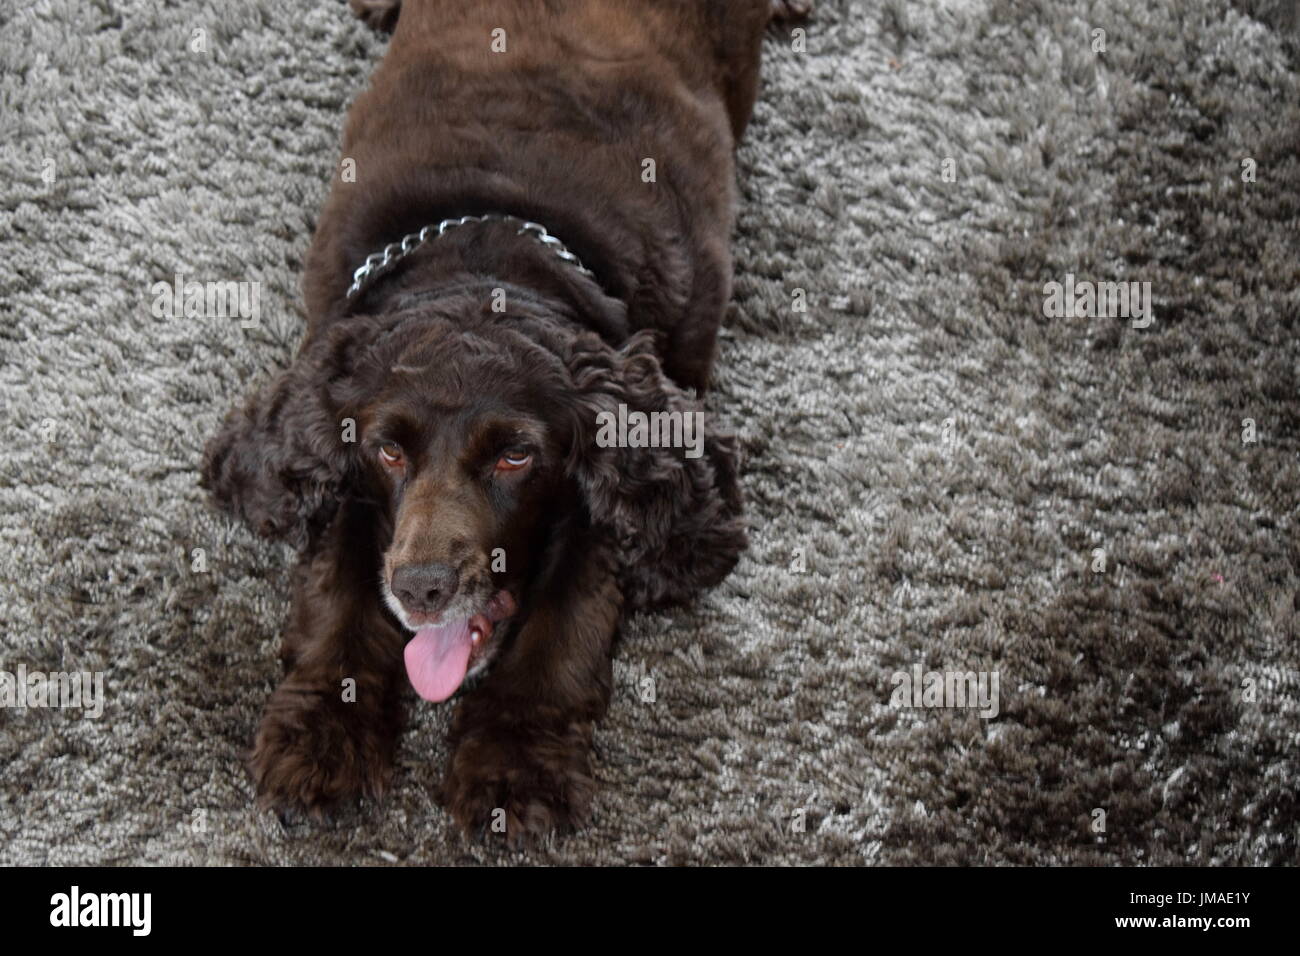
(425, 588)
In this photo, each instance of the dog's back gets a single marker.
(612, 122)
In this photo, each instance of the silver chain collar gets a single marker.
(377, 263)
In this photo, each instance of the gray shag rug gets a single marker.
(940, 477)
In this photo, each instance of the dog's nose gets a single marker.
(425, 588)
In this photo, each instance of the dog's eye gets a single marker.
(513, 459)
(390, 453)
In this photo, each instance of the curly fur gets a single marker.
(676, 519)
(592, 532)
(280, 465)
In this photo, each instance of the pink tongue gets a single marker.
(436, 659)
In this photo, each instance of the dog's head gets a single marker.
(491, 446)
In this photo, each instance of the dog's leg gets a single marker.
(329, 730)
(521, 757)
(379, 15)
(735, 29)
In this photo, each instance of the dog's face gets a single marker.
(476, 444)
(465, 487)
(465, 439)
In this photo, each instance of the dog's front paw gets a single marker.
(520, 781)
(314, 753)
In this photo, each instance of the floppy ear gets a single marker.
(280, 462)
(676, 518)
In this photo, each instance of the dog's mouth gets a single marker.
(439, 655)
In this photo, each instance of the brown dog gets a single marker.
(532, 248)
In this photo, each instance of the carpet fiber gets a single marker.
(938, 475)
